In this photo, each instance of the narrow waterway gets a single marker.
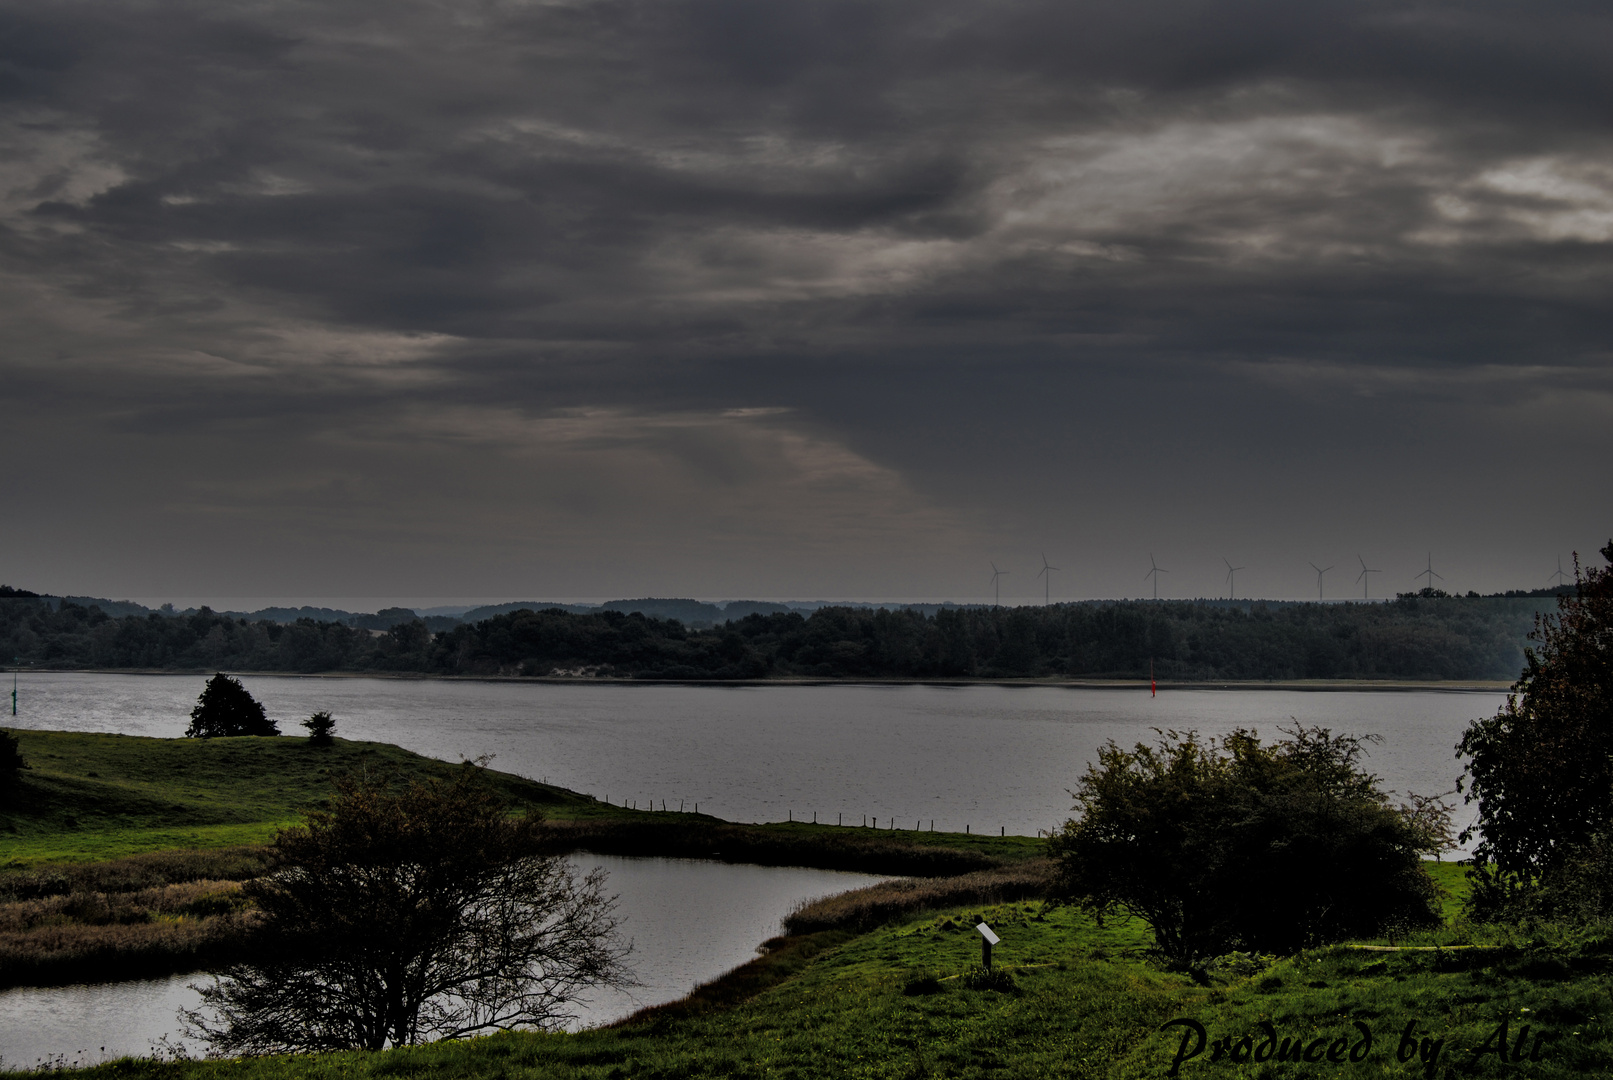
(689, 922)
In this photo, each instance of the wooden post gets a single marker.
(985, 954)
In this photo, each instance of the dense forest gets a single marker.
(1424, 636)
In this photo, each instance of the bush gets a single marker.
(1240, 845)
(1541, 769)
(224, 709)
(321, 729)
(11, 763)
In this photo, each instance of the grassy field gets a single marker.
(1079, 1000)
(121, 856)
(94, 797)
(91, 797)
(873, 988)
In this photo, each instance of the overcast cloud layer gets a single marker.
(802, 300)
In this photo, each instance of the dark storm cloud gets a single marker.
(314, 225)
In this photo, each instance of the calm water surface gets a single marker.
(986, 757)
(689, 921)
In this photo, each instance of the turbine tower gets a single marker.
(1154, 573)
(1319, 572)
(1232, 592)
(997, 585)
(1365, 570)
(1429, 573)
(1047, 586)
(1559, 576)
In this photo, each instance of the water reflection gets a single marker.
(690, 921)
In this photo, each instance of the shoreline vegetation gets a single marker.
(80, 899)
(880, 981)
(1428, 637)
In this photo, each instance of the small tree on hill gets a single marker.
(404, 916)
(1240, 845)
(321, 728)
(225, 708)
(1541, 769)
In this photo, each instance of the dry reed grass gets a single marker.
(93, 935)
(135, 872)
(864, 909)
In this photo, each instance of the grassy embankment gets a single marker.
(1085, 1000)
(122, 856)
(1082, 1001)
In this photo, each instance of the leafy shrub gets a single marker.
(1238, 845)
(1541, 769)
(11, 763)
(321, 728)
(225, 708)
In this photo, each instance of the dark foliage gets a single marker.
(1415, 637)
(11, 763)
(402, 916)
(1541, 769)
(1240, 845)
(321, 729)
(225, 708)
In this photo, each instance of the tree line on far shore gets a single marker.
(1422, 636)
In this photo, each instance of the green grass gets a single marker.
(95, 797)
(1086, 1001)
(92, 797)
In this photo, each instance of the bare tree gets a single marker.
(400, 916)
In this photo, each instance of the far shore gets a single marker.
(1488, 686)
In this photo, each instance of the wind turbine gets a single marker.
(1319, 572)
(1365, 570)
(1232, 592)
(1047, 589)
(1154, 573)
(1559, 576)
(995, 574)
(1429, 573)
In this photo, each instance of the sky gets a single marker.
(807, 300)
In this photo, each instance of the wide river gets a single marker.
(986, 758)
(989, 758)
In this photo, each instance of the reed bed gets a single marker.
(134, 873)
(56, 954)
(864, 909)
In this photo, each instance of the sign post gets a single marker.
(987, 940)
